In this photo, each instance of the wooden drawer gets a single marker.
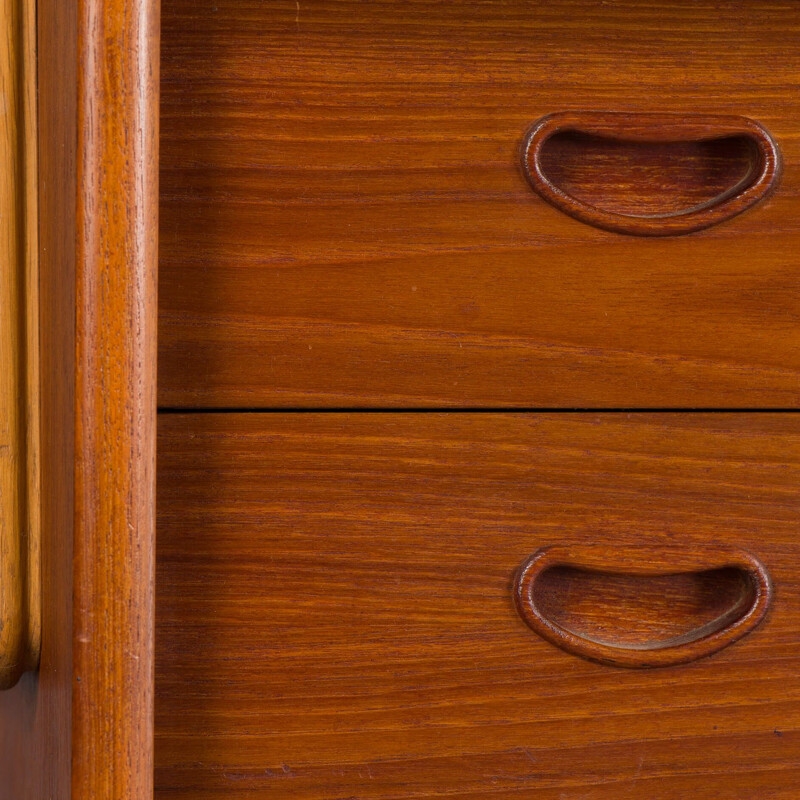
(345, 220)
(335, 615)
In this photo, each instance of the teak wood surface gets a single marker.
(81, 729)
(336, 614)
(345, 220)
(115, 413)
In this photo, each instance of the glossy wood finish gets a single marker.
(20, 576)
(345, 221)
(116, 404)
(36, 716)
(336, 614)
(746, 184)
(549, 610)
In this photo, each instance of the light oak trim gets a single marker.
(20, 567)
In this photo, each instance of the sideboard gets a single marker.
(400, 399)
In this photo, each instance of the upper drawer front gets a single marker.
(345, 220)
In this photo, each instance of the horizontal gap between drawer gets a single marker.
(481, 410)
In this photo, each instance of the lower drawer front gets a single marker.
(336, 621)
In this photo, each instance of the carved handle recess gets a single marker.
(745, 609)
(760, 178)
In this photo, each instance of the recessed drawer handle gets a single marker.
(641, 607)
(650, 174)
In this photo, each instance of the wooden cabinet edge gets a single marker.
(20, 569)
(82, 728)
(115, 414)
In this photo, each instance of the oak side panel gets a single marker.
(36, 716)
(345, 221)
(335, 613)
(117, 129)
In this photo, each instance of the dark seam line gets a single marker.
(482, 410)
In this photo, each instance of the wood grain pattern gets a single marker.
(20, 579)
(344, 219)
(36, 716)
(644, 177)
(336, 620)
(644, 606)
(117, 127)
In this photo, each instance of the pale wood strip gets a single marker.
(20, 587)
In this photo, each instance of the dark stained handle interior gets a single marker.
(668, 129)
(742, 610)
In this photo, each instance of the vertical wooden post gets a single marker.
(112, 692)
